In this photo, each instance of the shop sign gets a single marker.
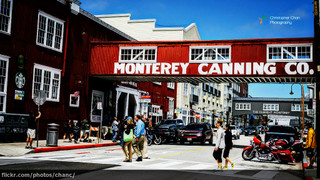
(19, 95)
(145, 99)
(238, 68)
(20, 80)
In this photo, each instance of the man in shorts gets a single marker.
(31, 131)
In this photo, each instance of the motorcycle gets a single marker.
(272, 150)
(154, 137)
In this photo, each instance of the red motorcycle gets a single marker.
(272, 150)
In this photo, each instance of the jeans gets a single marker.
(114, 133)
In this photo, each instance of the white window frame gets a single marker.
(294, 59)
(170, 85)
(4, 93)
(52, 71)
(243, 106)
(171, 105)
(206, 60)
(268, 107)
(143, 48)
(299, 107)
(10, 18)
(56, 20)
(185, 89)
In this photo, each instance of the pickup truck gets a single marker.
(171, 129)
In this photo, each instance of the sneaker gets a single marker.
(27, 147)
(225, 167)
(139, 159)
(127, 160)
(232, 165)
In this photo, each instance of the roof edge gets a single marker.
(99, 21)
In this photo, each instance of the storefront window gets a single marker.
(3, 82)
(47, 79)
(50, 32)
(5, 15)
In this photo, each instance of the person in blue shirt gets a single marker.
(139, 133)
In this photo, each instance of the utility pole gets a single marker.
(316, 60)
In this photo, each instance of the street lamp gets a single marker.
(301, 104)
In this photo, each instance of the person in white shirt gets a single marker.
(220, 144)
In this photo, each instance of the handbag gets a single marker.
(128, 137)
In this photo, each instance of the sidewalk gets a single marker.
(18, 148)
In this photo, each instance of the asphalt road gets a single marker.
(168, 160)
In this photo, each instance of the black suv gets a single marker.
(197, 132)
(170, 129)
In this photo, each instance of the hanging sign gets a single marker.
(19, 95)
(20, 80)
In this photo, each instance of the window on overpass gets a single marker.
(289, 52)
(200, 54)
(138, 54)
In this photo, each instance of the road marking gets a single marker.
(181, 153)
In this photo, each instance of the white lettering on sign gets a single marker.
(249, 68)
(298, 68)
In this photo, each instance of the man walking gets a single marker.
(115, 129)
(31, 132)
(311, 145)
(139, 133)
(220, 144)
(145, 143)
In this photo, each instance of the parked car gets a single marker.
(197, 132)
(281, 132)
(241, 130)
(171, 129)
(235, 131)
(250, 130)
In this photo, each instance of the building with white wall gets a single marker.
(194, 102)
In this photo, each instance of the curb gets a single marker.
(59, 148)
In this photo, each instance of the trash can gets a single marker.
(52, 134)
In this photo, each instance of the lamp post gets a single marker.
(301, 104)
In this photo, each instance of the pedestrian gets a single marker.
(311, 145)
(75, 131)
(115, 129)
(228, 147)
(31, 131)
(127, 145)
(83, 128)
(145, 143)
(139, 133)
(220, 144)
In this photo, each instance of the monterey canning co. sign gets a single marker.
(290, 57)
(213, 69)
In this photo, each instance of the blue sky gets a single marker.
(222, 19)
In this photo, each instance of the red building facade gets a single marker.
(44, 45)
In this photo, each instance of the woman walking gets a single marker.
(128, 127)
(220, 144)
(228, 147)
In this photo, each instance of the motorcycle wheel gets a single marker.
(149, 141)
(246, 155)
(157, 141)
